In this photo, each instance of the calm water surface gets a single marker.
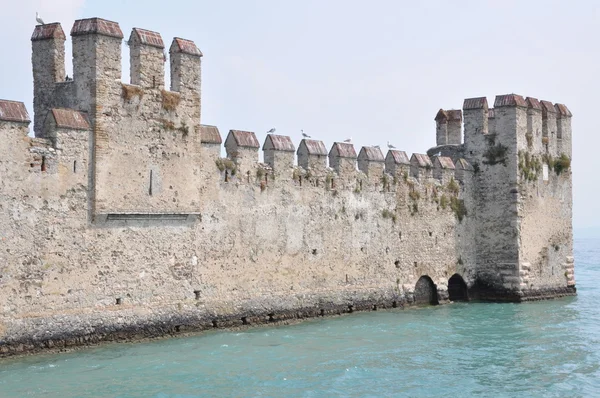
(543, 349)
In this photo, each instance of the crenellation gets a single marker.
(549, 127)
(279, 154)
(563, 130)
(147, 58)
(48, 61)
(475, 114)
(420, 167)
(96, 67)
(454, 126)
(242, 147)
(463, 170)
(533, 135)
(443, 168)
(312, 154)
(342, 159)
(372, 163)
(441, 128)
(185, 73)
(123, 195)
(211, 141)
(397, 162)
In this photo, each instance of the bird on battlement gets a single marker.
(390, 146)
(348, 140)
(39, 19)
(271, 131)
(304, 135)
(438, 154)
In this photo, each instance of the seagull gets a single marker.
(348, 140)
(438, 154)
(271, 131)
(304, 134)
(376, 146)
(39, 19)
(390, 146)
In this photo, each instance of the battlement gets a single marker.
(97, 69)
(123, 198)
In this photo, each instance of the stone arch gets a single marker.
(457, 288)
(426, 291)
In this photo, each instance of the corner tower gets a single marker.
(522, 197)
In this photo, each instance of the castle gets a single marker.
(120, 219)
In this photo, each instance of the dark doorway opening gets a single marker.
(457, 288)
(425, 291)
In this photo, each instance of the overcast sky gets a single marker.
(375, 71)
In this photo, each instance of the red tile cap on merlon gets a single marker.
(278, 143)
(475, 103)
(421, 160)
(210, 134)
(313, 147)
(184, 46)
(443, 162)
(562, 110)
(547, 107)
(245, 139)
(48, 31)
(441, 116)
(509, 100)
(343, 149)
(12, 111)
(533, 103)
(454, 114)
(371, 153)
(399, 157)
(70, 119)
(147, 37)
(97, 26)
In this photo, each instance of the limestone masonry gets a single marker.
(120, 220)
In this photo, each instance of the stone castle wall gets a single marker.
(120, 219)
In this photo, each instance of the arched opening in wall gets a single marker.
(425, 291)
(457, 288)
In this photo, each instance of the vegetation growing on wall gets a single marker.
(562, 164)
(495, 154)
(444, 201)
(129, 91)
(453, 186)
(559, 165)
(170, 100)
(529, 166)
(385, 213)
(459, 208)
(414, 195)
(226, 164)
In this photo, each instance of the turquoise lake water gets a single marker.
(541, 349)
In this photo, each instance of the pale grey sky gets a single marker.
(376, 70)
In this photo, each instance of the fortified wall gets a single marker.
(119, 219)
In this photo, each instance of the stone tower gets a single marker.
(522, 192)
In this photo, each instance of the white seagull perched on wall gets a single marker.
(390, 146)
(348, 140)
(305, 135)
(271, 131)
(39, 19)
(438, 154)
